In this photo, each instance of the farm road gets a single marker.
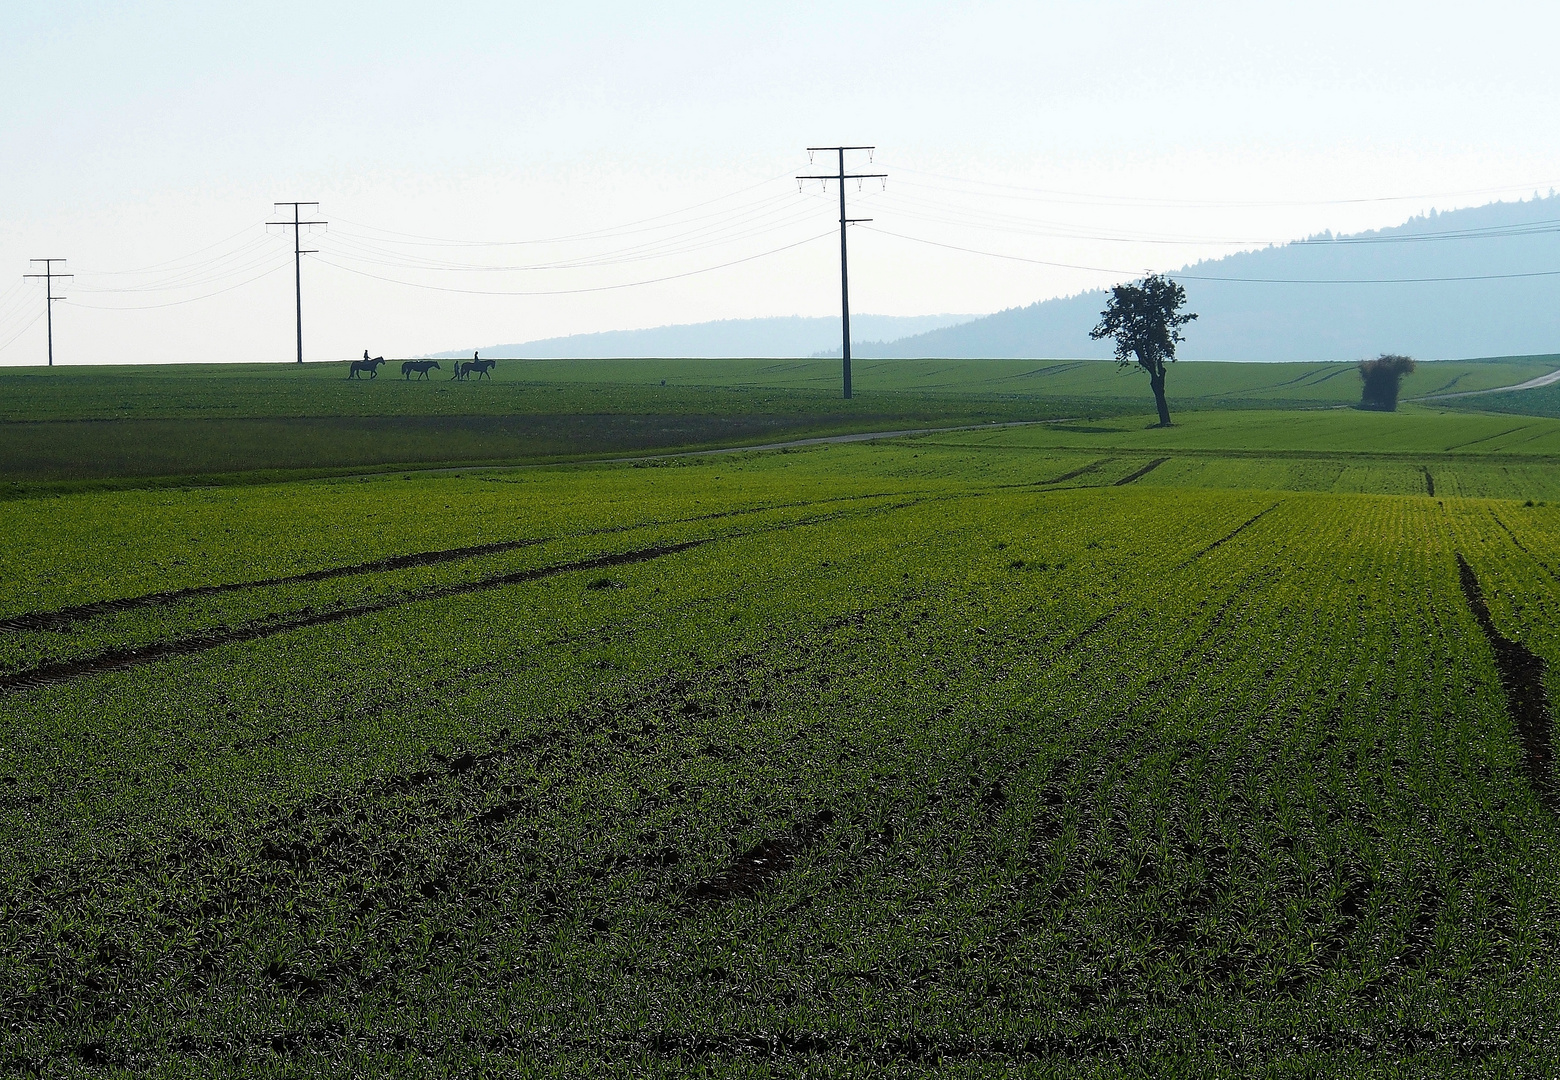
(1531, 384)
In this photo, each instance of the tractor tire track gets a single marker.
(1522, 679)
(134, 656)
(1242, 527)
(1520, 546)
(1105, 617)
(1091, 467)
(121, 659)
(1144, 471)
(62, 618)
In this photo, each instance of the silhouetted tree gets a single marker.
(1382, 377)
(1145, 319)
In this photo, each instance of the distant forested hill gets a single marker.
(1306, 315)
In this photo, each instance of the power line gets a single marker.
(169, 262)
(233, 264)
(1216, 277)
(591, 235)
(356, 248)
(177, 303)
(1095, 198)
(996, 221)
(843, 176)
(573, 292)
(48, 276)
(6, 344)
(298, 254)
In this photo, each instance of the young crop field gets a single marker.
(1059, 751)
(228, 391)
(75, 427)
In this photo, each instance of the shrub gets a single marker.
(1382, 377)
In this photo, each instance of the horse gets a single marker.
(481, 367)
(422, 367)
(365, 364)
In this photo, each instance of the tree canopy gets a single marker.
(1145, 319)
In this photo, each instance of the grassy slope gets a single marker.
(1257, 808)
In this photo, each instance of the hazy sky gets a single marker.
(662, 139)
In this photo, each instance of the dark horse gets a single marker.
(365, 364)
(422, 367)
(481, 367)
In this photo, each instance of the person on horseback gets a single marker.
(370, 365)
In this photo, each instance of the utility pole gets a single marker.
(48, 276)
(843, 176)
(298, 253)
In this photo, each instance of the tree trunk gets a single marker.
(1156, 379)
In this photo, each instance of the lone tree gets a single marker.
(1382, 378)
(1145, 318)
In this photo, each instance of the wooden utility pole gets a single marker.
(48, 275)
(298, 254)
(843, 176)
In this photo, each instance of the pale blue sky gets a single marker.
(135, 133)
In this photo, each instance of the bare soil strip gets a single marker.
(120, 659)
(1522, 678)
(1429, 483)
(1144, 471)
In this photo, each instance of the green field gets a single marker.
(1075, 749)
(79, 426)
(225, 391)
